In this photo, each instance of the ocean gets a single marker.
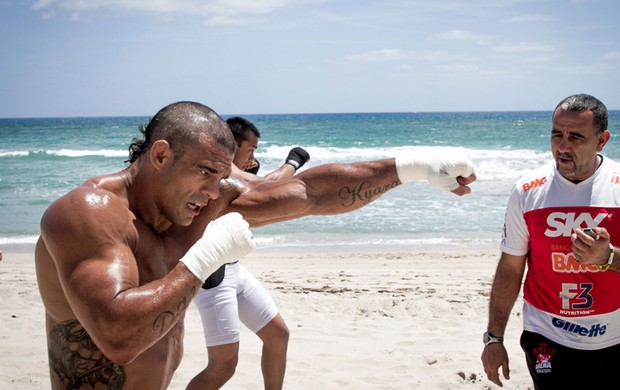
(43, 158)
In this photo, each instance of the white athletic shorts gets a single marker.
(239, 297)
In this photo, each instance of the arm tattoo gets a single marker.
(75, 360)
(168, 317)
(364, 193)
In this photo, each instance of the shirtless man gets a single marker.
(121, 256)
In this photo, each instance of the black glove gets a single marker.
(255, 168)
(297, 157)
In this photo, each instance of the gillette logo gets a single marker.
(595, 330)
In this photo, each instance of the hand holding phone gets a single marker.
(590, 232)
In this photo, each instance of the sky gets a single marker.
(63, 58)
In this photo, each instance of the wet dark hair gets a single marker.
(582, 102)
(181, 124)
(241, 128)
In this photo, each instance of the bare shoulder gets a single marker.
(87, 216)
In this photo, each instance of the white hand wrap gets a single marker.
(225, 239)
(441, 171)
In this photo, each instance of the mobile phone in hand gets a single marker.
(590, 233)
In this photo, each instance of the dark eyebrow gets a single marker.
(208, 169)
(571, 133)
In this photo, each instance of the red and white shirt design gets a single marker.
(570, 303)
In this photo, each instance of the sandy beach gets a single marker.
(384, 320)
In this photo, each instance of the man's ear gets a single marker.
(603, 138)
(160, 153)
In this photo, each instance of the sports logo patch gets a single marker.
(543, 354)
(543, 363)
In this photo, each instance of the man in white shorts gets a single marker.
(232, 295)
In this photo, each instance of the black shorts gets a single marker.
(553, 366)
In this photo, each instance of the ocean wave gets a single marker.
(490, 164)
(18, 240)
(41, 154)
(373, 243)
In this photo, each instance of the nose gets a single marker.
(563, 144)
(211, 189)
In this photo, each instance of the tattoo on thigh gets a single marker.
(168, 317)
(76, 361)
(364, 193)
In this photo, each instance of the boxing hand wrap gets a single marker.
(441, 171)
(225, 240)
(297, 157)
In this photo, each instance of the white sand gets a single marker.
(402, 320)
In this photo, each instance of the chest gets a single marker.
(156, 254)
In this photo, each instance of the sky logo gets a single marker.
(563, 224)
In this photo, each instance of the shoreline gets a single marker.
(358, 320)
(309, 248)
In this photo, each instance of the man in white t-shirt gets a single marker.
(562, 221)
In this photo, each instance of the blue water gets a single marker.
(41, 159)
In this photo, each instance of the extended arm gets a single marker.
(296, 159)
(340, 188)
(504, 293)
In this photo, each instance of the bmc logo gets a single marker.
(566, 263)
(534, 183)
(563, 224)
(615, 179)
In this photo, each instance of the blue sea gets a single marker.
(43, 158)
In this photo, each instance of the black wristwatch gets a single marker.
(488, 338)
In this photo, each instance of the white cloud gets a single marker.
(230, 20)
(378, 55)
(40, 4)
(432, 56)
(523, 47)
(458, 68)
(214, 8)
(528, 18)
(460, 35)
(385, 55)
(611, 55)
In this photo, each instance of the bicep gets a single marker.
(271, 201)
(92, 283)
(92, 254)
(510, 268)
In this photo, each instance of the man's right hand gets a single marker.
(226, 239)
(452, 171)
(493, 357)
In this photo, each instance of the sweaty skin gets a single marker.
(107, 261)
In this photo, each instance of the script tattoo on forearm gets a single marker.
(168, 317)
(75, 361)
(364, 193)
